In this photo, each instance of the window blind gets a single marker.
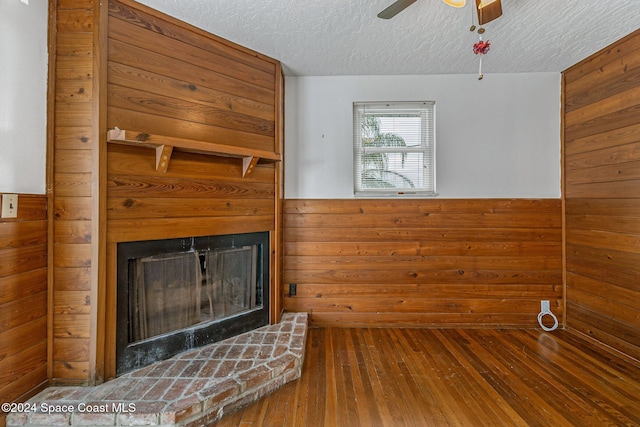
(394, 148)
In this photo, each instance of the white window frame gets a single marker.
(424, 109)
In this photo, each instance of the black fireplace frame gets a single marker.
(131, 356)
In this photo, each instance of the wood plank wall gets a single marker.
(123, 64)
(23, 300)
(429, 262)
(167, 78)
(73, 216)
(602, 192)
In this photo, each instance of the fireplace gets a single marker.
(179, 294)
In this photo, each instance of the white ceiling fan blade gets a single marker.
(395, 8)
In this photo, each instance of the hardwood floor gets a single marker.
(451, 377)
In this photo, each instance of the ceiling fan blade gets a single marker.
(395, 9)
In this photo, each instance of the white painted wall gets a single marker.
(23, 96)
(498, 137)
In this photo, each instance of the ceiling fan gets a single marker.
(487, 10)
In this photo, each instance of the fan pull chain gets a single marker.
(473, 20)
(481, 47)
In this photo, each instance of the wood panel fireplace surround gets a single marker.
(174, 295)
(162, 131)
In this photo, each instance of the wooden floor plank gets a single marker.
(493, 404)
(385, 384)
(606, 385)
(432, 373)
(451, 377)
(312, 387)
(376, 387)
(573, 383)
(329, 371)
(346, 409)
(363, 386)
(558, 399)
(408, 392)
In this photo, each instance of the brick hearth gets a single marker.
(192, 389)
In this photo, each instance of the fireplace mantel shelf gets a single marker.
(164, 146)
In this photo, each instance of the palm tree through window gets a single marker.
(394, 148)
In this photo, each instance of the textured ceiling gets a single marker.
(344, 37)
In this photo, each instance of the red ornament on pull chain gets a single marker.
(481, 48)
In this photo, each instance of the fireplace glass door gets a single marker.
(165, 294)
(228, 287)
(183, 293)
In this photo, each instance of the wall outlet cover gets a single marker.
(545, 307)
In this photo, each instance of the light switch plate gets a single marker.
(9, 206)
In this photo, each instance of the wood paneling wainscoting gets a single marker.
(423, 262)
(602, 192)
(23, 300)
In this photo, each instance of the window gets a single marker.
(394, 148)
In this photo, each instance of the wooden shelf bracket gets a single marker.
(164, 146)
(248, 163)
(163, 155)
